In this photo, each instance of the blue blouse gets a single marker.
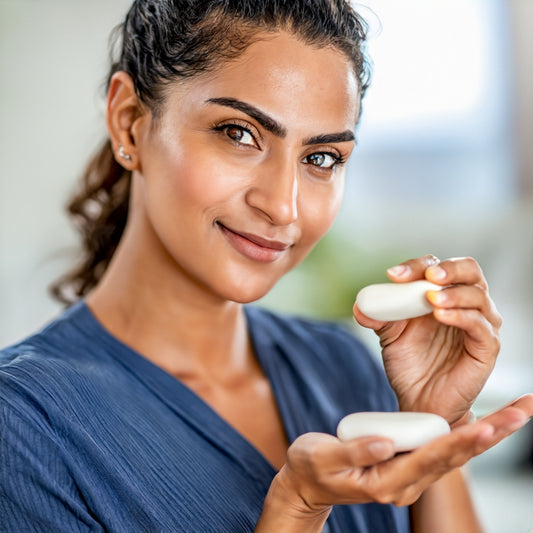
(94, 437)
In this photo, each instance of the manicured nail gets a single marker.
(398, 271)
(435, 272)
(436, 297)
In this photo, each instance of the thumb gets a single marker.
(365, 321)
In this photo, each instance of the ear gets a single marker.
(125, 116)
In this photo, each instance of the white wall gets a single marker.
(53, 57)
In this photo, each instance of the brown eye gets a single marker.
(322, 160)
(235, 133)
(240, 135)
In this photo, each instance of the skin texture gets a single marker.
(439, 363)
(174, 288)
(230, 190)
(321, 471)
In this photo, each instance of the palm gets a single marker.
(430, 366)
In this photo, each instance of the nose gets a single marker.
(274, 192)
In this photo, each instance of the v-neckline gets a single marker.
(187, 403)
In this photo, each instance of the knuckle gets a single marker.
(430, 259)
(409, 497)
(374, 494)
(354, 456)
(383, 498)
(498, 320)
(465, 260)
(401, 501)
(465, 264)
(497, 342)
(382, 494)
(425, 260)
(313, 461)
(321, 478)
(305, 456)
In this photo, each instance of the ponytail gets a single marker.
(99, 211)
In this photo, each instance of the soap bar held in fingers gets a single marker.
(396, 301)
(408, 430)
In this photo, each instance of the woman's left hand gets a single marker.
(439, 362)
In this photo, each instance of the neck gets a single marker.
(146, 301)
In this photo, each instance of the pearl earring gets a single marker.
(123, 154)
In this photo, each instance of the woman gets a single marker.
(159, 401)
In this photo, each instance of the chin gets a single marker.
(245, 293)
(246, 297)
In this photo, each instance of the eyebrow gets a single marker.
(267, 122)
(328, 138)
(275, 127)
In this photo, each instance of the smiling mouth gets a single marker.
(253, 246)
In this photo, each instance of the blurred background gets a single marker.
(443, 165)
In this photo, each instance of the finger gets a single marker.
(365, 321)
(405, 476)
(365, 451)
(451, 451)
(467, 441)
(524, 402)
(413, 269)
(401, 479)
(335, 456)
(320, 452)
(481, 340)
(443, 454)
(464, 270)
(429, 463)
(467, 297)
(517, 412)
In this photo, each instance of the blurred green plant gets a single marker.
(325, 285)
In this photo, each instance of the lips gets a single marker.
(254, 246)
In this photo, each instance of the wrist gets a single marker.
(286, 511)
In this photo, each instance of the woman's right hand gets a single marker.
(321, 471)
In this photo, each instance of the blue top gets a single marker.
(94, 437)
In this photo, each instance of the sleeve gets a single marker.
(37, 492)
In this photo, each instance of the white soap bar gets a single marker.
(396, 301)
(407, 430)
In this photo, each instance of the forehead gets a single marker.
(296, 83)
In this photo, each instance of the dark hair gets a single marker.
(162, 41)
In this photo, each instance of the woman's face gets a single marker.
(244, 170)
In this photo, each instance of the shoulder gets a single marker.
(52, 340)
(52, 367)
(56, 344)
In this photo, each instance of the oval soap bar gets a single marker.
(407, 430)
(396, 301)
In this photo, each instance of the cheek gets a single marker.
(195, 183)
(319, 209)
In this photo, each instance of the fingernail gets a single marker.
(436, 297)
(519, 424)
(381, 449)
(435, 272)
(398, 271)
